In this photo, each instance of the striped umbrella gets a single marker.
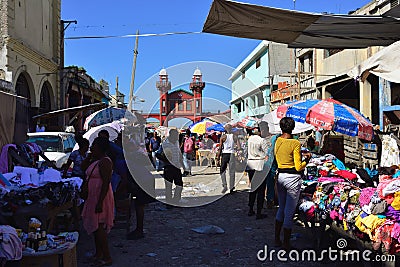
(329, 114)
(246, 122)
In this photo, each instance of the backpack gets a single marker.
(188, 145)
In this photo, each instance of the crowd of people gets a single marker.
(107, 178)
(111, 172)
(262, 165)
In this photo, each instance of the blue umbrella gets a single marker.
(216, 127)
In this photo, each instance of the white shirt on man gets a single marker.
(228, 145)
(257, 148)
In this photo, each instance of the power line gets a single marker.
(129, 35)
(126, 25)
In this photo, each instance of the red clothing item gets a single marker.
(346, 174)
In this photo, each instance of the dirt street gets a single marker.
(169, 240)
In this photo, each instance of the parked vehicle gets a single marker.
(56, 145)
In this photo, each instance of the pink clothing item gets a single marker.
(383, 182)
(4, 158)
(383, 178)
(90, 218)
(334, 214)
(389, 198)
(365, 196)
(392, 187)
(383, 235)
(330, 179)
(396, 232)
(310, 213)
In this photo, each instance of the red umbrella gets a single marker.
(329, 114)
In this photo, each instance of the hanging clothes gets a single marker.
(4, 158)
(390, 152)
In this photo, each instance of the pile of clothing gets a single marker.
(56, 194)
(27, 186)
(362, 202)
(29, 152)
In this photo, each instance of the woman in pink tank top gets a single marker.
(98, 210)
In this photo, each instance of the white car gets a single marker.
(56, 145)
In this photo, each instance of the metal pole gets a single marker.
(116, 93)
(61, 68)
(299, 78)
(135, 53)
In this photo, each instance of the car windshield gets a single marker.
(47, 143)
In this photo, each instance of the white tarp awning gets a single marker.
(274, 128)
(301, 29)
(384, 64)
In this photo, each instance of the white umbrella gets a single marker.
(113, 129)
(108, 115)
(274, 128)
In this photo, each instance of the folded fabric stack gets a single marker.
(364, 204)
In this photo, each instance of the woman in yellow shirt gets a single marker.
(290, 164)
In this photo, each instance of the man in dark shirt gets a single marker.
(147, 144)
(155, 143)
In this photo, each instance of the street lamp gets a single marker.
(135, 99)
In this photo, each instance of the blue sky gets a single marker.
(108, 58)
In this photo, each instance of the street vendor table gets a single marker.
(46, 214)
(65, 256)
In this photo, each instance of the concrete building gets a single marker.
(82, 89)
(256, 76)
(118, 100)
(29, 57)
(322, 73)
(334, 65)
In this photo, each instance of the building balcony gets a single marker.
(194, 85)
(284, 93)
(163, 85)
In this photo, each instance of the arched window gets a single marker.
(45, 99)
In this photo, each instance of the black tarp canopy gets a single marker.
(301, 29)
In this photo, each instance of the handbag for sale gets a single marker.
(84, 194)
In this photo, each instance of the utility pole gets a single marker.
(116, 93)
(298, 80)
(64, 24)
(135, 53)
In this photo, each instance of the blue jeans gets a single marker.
(271, 184)
(288, 186)
(156, 162)
(187, 162)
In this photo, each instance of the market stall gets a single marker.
(60, 252)
(360, 204)
(340, 192)
(30, 201)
